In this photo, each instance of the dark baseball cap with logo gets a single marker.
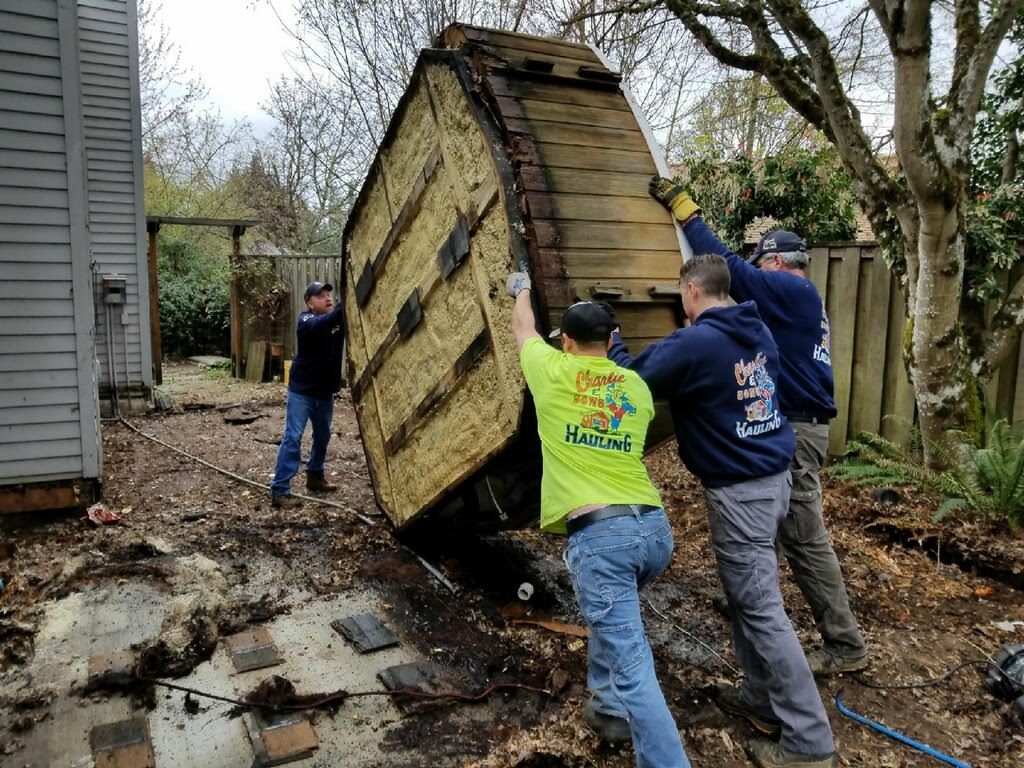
(586, 322)
(778, 241)
(315, 287)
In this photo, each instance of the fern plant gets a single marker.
(986, 480)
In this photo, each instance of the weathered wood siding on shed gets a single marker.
(108, 46)
(48, 416)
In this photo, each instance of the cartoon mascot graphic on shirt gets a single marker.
(618, 404)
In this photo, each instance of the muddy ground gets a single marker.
(922, 614)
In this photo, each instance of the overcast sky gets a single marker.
(237, 48)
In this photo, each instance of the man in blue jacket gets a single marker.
(793, 310)
(719, 377)
(314, 379)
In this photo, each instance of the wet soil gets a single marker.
(921, 613)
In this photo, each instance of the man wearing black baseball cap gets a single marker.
(773, 277)
(592, 419)
(314, 379)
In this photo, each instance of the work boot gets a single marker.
(284, 501)
(727, 698)
(768, 754)
(823, 663)
(720, 603)
(609, 727)
(317, 483)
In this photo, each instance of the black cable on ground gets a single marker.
(240, 478)
(929, 683)
(341, 696)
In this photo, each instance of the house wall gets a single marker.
(48, 416)
(108, 43)
(70, 210)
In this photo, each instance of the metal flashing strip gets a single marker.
(476, 350)
(124, 744)
(410, 315)
(455, 248)
(253, 649)
(365, 632)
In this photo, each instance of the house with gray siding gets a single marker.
(74, 298)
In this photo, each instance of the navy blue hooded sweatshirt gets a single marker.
(719, 378)
(793, 311)
(316, 367)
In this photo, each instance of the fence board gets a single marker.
(898, 397)
(841, 304)
(869, 346)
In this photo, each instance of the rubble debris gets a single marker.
(278, 692)
(189, 632)
(98, 514)
(420, 676)
(365, 632)
(111, 671)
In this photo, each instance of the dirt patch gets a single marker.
(921, 617)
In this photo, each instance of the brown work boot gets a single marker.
(768, 754)
(317, 483)
(284, 501)
(727, 698)
(823, 663)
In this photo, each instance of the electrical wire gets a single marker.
(341, 696)
(240, 478)
(697, 640)
(926, 683)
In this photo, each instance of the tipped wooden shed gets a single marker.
(506, 151)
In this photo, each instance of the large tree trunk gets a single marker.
(937, 365)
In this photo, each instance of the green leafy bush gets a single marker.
(984, 479)
(195, 315)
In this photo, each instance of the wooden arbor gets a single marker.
(506, 151)
(237, 227)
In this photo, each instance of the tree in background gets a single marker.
(802, 190)
(940, 58)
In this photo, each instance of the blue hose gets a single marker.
(897, 735)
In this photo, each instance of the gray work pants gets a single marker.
(743, 519)
(806, 545)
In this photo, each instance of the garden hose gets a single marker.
(896, 734)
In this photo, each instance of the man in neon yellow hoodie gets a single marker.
(592, 418)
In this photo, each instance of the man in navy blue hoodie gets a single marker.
(793, 310)
(314, 378)
(719, 377)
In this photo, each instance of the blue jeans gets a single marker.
(609, 561)
(298, 410)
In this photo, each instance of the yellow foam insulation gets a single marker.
(353, 330)
(403, 159)
(372, 226)
(451, 320)
(461, 431)
(481, 414)
(409, 261)
(366, 413)
(467, 156)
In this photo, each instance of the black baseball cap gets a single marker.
(586, 322)
(315, 287)
(778, 241)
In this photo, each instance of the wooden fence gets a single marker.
(299, 271)
(866, 310)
